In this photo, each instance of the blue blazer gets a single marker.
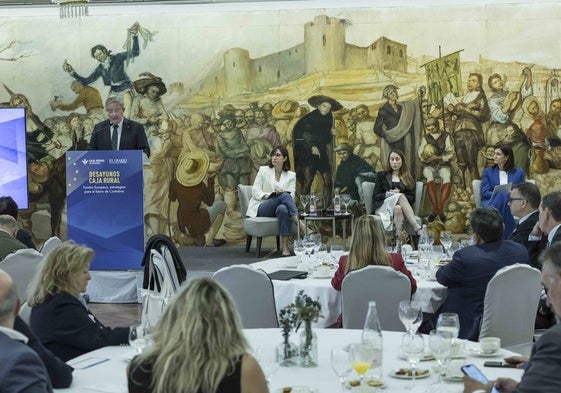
(133, 137)
(490, 179)
(68, 329)
(467, 277)
(21, 369)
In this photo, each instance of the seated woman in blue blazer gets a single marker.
(59, 318)
(503, 172)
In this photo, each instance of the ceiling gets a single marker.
(29, 3)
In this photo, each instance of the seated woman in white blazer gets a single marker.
(273, 194)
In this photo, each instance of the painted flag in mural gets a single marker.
(443, 76)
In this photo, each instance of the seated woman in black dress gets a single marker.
(394, 193)
(59, 317)
(198, 346)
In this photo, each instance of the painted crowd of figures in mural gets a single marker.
(447, 127)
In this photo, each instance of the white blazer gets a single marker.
(265, 184)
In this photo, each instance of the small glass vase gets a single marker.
(287, 354)
(308, 346)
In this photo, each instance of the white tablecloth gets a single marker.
(430, 294)
(110, 375)
(115, 286)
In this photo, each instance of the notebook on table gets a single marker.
(288, 274)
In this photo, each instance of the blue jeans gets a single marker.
(281, 206)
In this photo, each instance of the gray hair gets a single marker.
(9, 223)
(9, 301)
(117, 99)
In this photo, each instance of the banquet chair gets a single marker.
(49, 245)
(382, 284)
(25, 312)
(21, 266)
(510, 304)
(258, 227)
(368, 193)
(253, 294)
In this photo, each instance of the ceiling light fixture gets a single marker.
(72, 8)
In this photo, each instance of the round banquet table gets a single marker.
(104, 370)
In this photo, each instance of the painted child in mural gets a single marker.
(436, 153)
(469, 112)
(399, 124)
(313, 145)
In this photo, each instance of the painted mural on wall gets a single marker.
(216, 96)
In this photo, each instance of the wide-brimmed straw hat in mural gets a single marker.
(316, 100)
(343, 146)
(285, 109)
(192, 168)
(141, 85)
(260, 151)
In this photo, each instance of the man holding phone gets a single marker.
(544, 366)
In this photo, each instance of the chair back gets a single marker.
(510, 305)
(368, 195)
(49, 245)
(476, 186)
(418, 196)
(25, 312)
(244, 195)
(21, 266)
(382, 284)
(253, 294)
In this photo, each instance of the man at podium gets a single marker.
(118, 133)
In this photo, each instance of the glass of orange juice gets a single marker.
(361, 357)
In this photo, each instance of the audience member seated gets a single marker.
(21, 368)
(198, 346)
(471, 269)
(59, 317)
(394, 194)
(8, 241)
(542, 371)
(368, 247)
(10, 207)
(352, 172)
(503, 172)
(273, 194)
(524, 202)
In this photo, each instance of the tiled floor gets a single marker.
(117, 315)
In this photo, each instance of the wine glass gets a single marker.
(361, 356)
(267, 358)
(304, 199)
(449, 323)
(440, 346)
(341, 364)
(337, 252)
(138, 337)
(413, 346)
(299, 249)
(446, 241)
(431, 236)
(309, 244)
(410, 314)
(346, 199)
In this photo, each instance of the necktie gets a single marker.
(114, 137)
(514, 232)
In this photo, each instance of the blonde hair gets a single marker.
(368, 244)
(56, 272)
(404, 174)
(197, 341)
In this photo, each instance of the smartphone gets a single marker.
(499, 364)
(472, 371)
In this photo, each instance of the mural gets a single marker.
(217, 91)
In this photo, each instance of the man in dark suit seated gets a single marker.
(524, 202)
(10, 207)
(21, 368)
(8, 241)
(473, 267)
(118, 133)
(542, 370)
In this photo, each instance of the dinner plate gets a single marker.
(421, 373)
(296, 389)
(322, 275)
(477, 352)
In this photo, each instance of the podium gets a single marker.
(105, 207)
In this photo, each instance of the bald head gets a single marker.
(8, 300)
(8, 224)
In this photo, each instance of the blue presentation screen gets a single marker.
(13, 157)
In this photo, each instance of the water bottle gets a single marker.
(313, 204)
(337, 203)
(372, 336)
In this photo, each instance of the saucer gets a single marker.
(405, 373)
(453, 378)
(296, 389)
(479, 353)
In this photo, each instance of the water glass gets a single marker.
(361, 356)
(299, 249)
(267, 359)
(413, 347)
(440, 344)
(341, 364)
(446, 241)
(411, 315)
(138, 337)
(304, 199)
(449, 323)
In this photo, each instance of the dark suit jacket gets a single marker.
(542, 373)
(21, 369)
(68, 329)
(59, 372)
(133, 137)
(8, 245)
(384, 184)
(521, 233)
(467, 277)
(535, 248)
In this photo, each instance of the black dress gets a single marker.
(140, 376)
